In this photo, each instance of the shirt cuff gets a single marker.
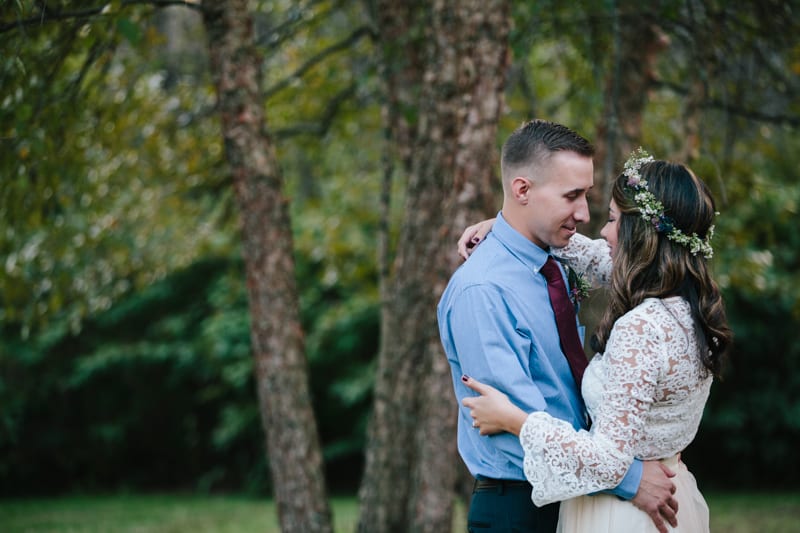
(629, 485)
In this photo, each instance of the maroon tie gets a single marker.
(565, 319)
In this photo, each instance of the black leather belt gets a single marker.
(487, 483)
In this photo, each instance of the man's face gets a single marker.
(557, 199)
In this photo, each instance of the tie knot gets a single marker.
(550, 270)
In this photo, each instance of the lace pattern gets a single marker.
(591, 257)
(645, 395)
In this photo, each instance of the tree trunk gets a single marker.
(637, 44)
(292, 441)
(411, 468)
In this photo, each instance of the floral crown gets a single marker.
(653, 211)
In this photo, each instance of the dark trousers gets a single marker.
(504, 507)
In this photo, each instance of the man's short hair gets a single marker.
(535, 141)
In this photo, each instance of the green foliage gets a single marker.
(133, 338)
(138, 394)
(124, 350)
(158, 391)
(574, 63)
(130, 30)
(752, 416)
(101, 176)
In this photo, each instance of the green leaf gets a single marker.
(129, 30)
(20, 65)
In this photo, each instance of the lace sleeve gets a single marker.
(562, 463)
(591, 257)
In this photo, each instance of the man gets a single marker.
(497, 325)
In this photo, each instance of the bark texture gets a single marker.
(631, 76)
(451, 85)
(292, 440)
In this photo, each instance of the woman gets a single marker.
(659, 344)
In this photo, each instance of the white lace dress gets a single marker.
(645, 395)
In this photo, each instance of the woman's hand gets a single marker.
(473, 236)
(492, 412)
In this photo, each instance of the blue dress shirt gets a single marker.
(497, 325)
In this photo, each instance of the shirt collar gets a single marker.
(526, 251)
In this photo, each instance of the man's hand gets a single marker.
(655, 495)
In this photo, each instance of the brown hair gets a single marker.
(535, 141)
(648, 265)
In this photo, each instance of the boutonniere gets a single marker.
(579, 286)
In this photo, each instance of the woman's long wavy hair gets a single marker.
(648, 265)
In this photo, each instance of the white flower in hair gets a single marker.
(653, 211)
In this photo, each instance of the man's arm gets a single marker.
(629, 485)
(490, 349)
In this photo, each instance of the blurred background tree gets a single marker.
(443, 65)
(125, 357)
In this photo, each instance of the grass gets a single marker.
(160, 513)
(754, 512)
(170, 513)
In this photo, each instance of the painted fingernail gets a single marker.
(476, 240)
(465, 378)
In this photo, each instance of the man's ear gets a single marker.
(520, 187)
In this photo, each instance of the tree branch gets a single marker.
(48, 14)
(314, 60)
(751, 114)
(322, 126)
(94, 54)
(275, 36)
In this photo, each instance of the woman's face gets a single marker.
(611, 228)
